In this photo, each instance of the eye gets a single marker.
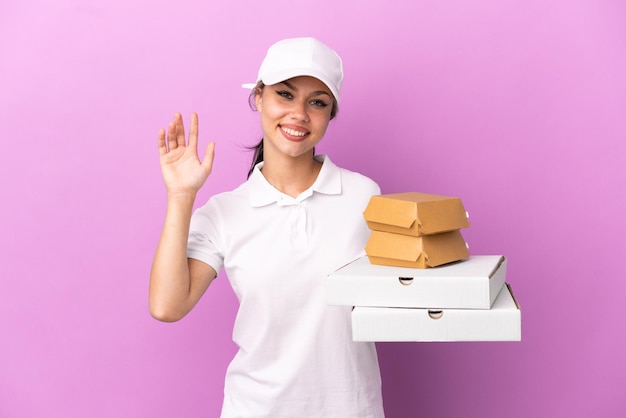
(319, 103)
(284, 94)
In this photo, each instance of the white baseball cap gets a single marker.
(296, 57)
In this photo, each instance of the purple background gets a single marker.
(517, 107)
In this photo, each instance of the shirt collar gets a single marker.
(262, 193)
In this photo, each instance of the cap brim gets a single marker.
(278, 77)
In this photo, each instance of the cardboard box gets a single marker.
(415, 213)
(470, 284)
(389, 249)
(500, 323)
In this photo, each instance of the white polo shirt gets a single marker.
(296, 356)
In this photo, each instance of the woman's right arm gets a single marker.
(176, 282)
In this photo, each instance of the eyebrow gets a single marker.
(315, 93)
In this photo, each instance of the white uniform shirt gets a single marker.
(296, 356)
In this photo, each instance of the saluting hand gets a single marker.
(182, 170)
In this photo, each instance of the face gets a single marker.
(294, 116)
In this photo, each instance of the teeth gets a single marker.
(293, 132)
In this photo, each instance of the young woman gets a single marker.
(296, 219)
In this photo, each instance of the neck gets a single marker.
(291, 176)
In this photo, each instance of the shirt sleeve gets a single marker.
(204, 242)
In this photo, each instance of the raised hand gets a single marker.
(182, 170)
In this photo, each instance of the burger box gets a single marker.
(470, 284)
(415, 213)
(500, 323)
(389, 249)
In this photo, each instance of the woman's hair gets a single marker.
(258, 148)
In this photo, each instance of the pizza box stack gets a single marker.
(418, 281)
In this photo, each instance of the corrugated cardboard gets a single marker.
(415, 213)
(500, 323)
(470, 284)
(389, 249)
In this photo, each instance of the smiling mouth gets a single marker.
(294, 133)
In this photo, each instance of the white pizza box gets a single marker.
(469, 284)
(500, 323)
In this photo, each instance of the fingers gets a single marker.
(209, 155)
(180, 130)
(174, 137)
(162, 146)
(171, 135)
(193, 131)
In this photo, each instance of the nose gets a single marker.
(299, 111)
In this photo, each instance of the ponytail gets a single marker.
(258, 156)
(258, 148)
